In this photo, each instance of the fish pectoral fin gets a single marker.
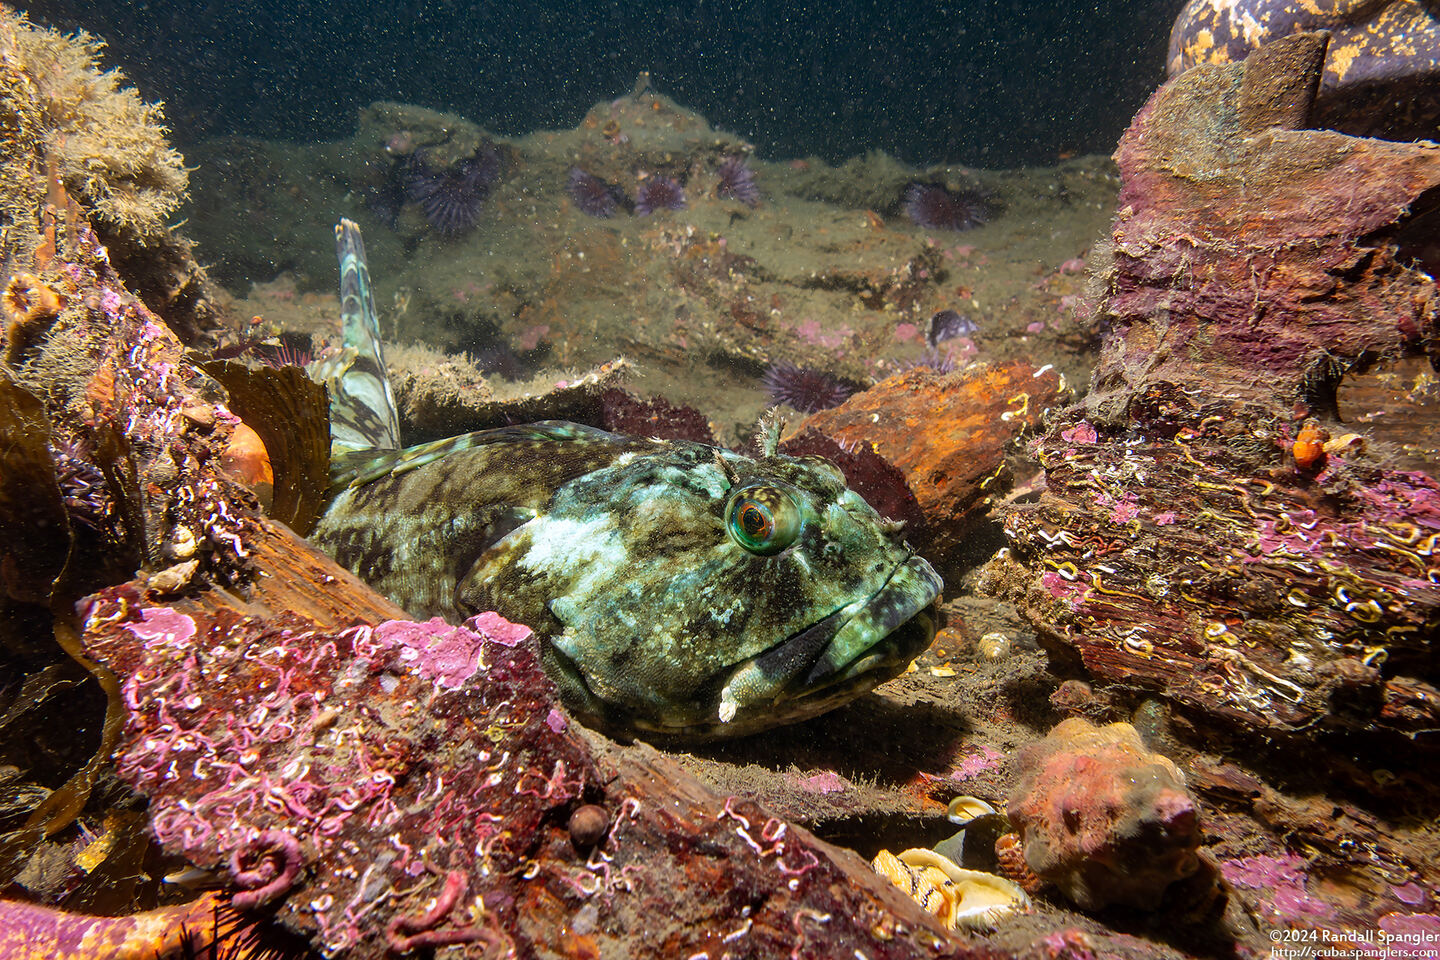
(565, 611)
(482, 556)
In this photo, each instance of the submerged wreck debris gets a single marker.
(949, 434)
(1382, 76)
(1178, 544)
(1103, 818)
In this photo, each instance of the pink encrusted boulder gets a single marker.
(377, 789)
(1102, 818)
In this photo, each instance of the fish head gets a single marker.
(698, 594)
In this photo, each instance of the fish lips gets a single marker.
(852, 650)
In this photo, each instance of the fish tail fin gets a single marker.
(362, 405)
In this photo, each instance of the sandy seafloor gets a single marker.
(827, 271)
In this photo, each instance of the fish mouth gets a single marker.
(837, 658)
(815, 669)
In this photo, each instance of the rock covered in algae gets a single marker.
(1103, 818)
(76, 144)
(308, 756)
(388, 789)
(1189, 537)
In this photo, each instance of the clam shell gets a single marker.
(971, 899)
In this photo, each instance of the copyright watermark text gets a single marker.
(1289, 943)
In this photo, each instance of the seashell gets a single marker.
(993, 647)
(957, 897)
(1348, 443)
(173, 579)
(181, 545)
(962, 810)
(915, 883)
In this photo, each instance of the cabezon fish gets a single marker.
(675, 588)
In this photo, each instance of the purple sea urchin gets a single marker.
(287, 350)
(933, 207)
(593, 196)
(452, 197)
(932, 359)
(804, 388)
(737, 182)
(658, 192)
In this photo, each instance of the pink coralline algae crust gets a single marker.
(1102, 818)
(163, 625)
(1283, 900)
(1064, 945)
(445, 654)
(348, 779)
(1284, 878)
(983, 760)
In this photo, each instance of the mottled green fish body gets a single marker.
(658, 611)
(676, 588)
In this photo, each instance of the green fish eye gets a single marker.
(763, 519)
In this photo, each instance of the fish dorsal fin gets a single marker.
(358, 467)
(362, 405)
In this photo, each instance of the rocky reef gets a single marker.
(1198, 532)
(1209, 528)
(813, 266)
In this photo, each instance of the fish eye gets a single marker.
(763, 519)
